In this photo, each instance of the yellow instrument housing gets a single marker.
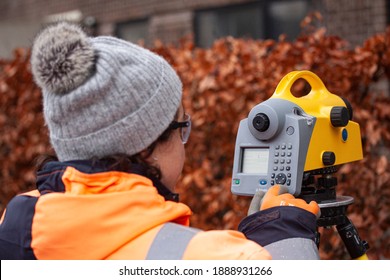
(325, 137)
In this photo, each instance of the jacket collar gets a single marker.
(49, 178)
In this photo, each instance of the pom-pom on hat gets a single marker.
(103, 95)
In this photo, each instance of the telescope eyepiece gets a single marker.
(261, 122)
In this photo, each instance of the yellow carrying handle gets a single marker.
(283, 90)
(315, 101)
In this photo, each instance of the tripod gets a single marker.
(333, 209)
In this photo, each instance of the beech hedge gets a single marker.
(220, 86)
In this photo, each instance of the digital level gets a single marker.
(299, 142)
(285, 136)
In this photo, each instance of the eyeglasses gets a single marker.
(185, 128)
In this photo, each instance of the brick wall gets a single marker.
(104, 10)
(355, 20)
(168, 20)
(170, 27)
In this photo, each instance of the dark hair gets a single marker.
(122, 162)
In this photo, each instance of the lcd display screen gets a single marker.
(255, 160)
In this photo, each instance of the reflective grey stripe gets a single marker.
(293, 249)
(171, 242)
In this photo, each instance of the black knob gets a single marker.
(339, 116)
(328, 158)
(261, 122)
(349, 107)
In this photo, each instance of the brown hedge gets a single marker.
(221, 85)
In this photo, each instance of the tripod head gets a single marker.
(320, 186)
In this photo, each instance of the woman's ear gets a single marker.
(147, 154)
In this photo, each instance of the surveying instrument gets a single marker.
(299, 142)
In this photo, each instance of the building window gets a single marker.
(258, 20)
(387, 11)
(133, 31)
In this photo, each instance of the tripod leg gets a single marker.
(355, 246)
(317, 238)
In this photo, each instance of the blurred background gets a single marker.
(230, 55)
(207, 20)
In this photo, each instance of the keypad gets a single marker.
(281, 167)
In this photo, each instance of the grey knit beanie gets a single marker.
(102, 95)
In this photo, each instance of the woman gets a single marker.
(118, 128)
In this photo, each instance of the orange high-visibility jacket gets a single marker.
(109, 215)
